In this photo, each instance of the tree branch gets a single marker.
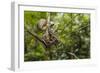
(73, 55)
(36, 36)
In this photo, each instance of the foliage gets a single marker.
(71, 29)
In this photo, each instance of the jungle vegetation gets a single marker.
(65, 36)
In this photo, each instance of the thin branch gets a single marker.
(36, 36)
(73, 55)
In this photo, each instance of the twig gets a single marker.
(36, 36)
(73, 55)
